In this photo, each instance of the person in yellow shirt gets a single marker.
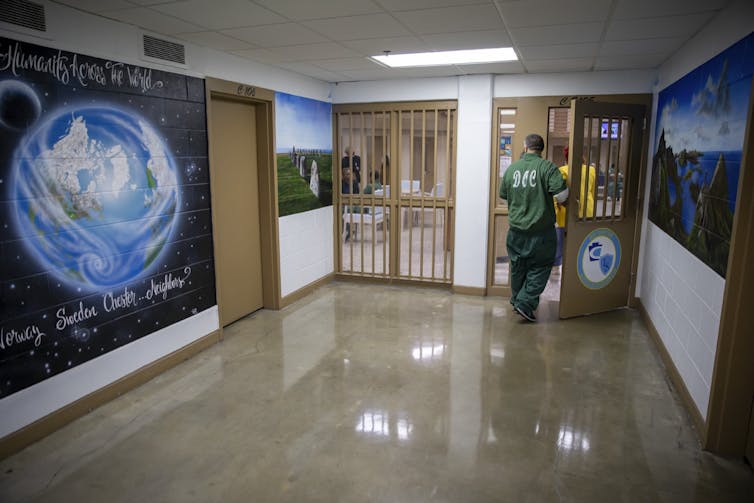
(560, 209)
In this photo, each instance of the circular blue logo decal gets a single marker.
(599, 258)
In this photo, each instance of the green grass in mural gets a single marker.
(294, 195)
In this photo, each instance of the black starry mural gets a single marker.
(105, 225)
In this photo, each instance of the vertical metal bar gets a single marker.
(395, 199)
(421, 200)
(585, 173)
(373, 181)
(361, 190)
(446, 217)
(350, 190)
(410, 195)
(434, 193)
(385, 234)
(617, 166)
(585, 160)
(609, 154)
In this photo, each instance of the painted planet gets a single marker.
(19, 105)
(95, 195)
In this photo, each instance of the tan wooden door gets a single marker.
(236, 207)
(605, 165)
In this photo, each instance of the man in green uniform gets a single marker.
(529, 185)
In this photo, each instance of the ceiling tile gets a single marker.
(401, 5)
(632, 9)
(313, 71)
(259, 55)
(230, 14)
(453, 19)
(275, 35)
(397, 45)
(468, 40)
(666, 46)
(676, 26)
(630, 62)
(97, 5)
(358, 27)
(505, 67)
(328, 50)
(215, 40)
(560, 65)
(154, 21)
(377, 73)
(147, 2)
(558, 51)
(554, 12)
(297, 10)
(337, 65)
(560, 34)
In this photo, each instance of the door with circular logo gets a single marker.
(602, 215)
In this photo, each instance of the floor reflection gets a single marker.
(383, 393)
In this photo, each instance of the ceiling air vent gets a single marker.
(164, 50)
(22, 13)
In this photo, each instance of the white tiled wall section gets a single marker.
(306, 248)
(684, 298)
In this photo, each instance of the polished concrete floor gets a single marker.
(396, 394)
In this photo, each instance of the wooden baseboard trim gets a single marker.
(470, 290)
(675, 376)
(18, 440)
(306, 290)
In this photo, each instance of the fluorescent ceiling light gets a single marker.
(507, 111)
(443, 58)
(505, 125)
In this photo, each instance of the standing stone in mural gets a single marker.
(302, 166)
(314, 180)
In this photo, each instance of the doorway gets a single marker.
(394, 210)
(243, 215)
(549, 116)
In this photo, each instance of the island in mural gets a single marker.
(104, 208)
(303, 130)
(701, 121)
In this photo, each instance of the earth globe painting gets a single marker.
(96, 194)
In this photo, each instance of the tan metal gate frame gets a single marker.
(395, 235)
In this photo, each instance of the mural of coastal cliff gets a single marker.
(104, 208)
(303, 146)
(701, 121)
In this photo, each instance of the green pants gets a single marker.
(531, 256)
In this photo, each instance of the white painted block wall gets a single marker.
(682, 295)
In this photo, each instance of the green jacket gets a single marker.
(528, 185)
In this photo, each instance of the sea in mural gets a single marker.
(104, 208)
(303, 146)
(701, 120)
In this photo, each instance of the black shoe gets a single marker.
(528, 315)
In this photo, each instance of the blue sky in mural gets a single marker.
(697, 112)
(303, 123)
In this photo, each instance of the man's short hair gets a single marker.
(535, 142)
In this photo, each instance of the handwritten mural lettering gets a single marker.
(78, 316)
(167, 283)
(124, 300)
(84, 70)
(12, 336)
(13, 58)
